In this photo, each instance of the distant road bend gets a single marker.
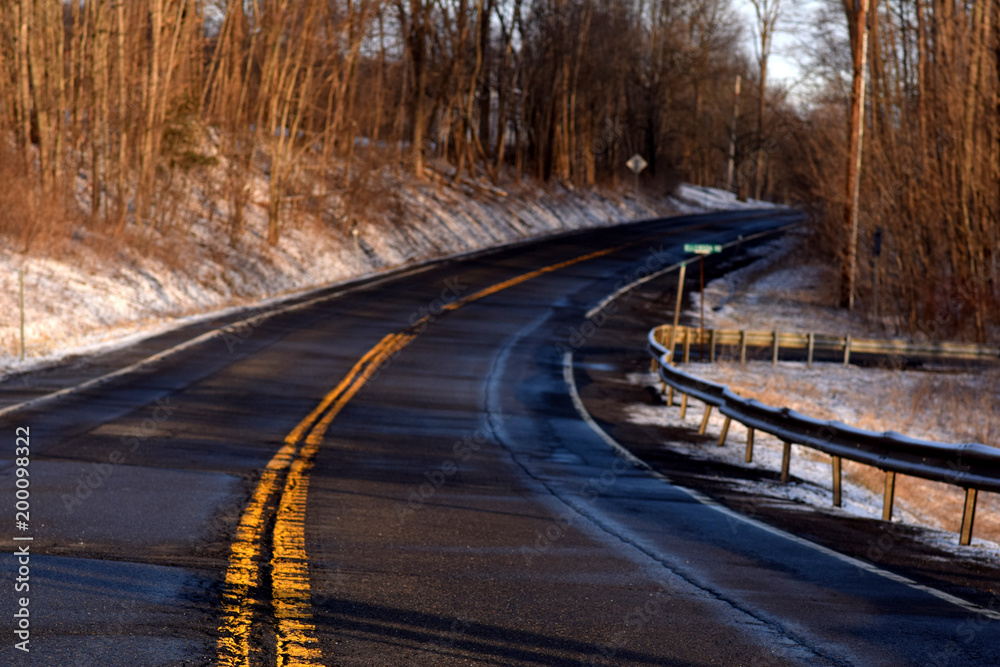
(401, 473)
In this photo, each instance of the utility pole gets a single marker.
(859, 19)
(732, 134)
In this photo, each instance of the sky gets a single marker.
(796, 14)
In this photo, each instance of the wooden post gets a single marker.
(743, 346)
(20, 280)
(786, 457)
(701, 301)
(749, 457)
(847, 350)
(725, 431)
(356, 233)
(812, 343)
(711, 346)
(774, 350)
(677, 309)
(704, 419)
(968, 517)
(684, 405)
(836, 481)
(687, 345)
(670, 396)
(889, 495)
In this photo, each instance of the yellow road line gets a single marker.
(524, 277)
(242, 575)
(296, 641)
(243, 572)
(296, 433)
(290, 570)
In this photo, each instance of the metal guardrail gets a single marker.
(971, 466)
(777, 341)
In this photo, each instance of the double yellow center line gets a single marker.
(289, 567)
(296, 643)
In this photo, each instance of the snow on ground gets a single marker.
(780, 292)
(84, 301)
(918, 502)
(783, 292)
(696, 198)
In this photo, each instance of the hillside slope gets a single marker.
(94, 294)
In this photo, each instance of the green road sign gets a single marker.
(702, 248)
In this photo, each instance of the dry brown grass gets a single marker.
(32, 221)
(954, 407)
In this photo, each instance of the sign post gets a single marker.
(636, 163)
(702, 249)
(677, 310)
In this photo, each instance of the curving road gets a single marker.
(400, 472)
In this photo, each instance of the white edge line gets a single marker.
(708, 502)
(365, 282)
(350, 285)
(582, 411)
(208, 335)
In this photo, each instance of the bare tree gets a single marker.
(931, 163)
(768, 13)
(857, 15)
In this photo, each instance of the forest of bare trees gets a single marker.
(930, 176)
(110, 110)
(115, 103)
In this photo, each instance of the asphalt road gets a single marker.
(397, 473)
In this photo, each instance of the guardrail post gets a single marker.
(774, 350)
(749, 457)
(725, 431)
(812, 344)
(687, 345)
(743, 346)
(786, 457)
(847, 350)
(670, 396)
(968, 517)
(711, 346)
(836, 481)
(684, 405)
(889, 495)
(704, 420)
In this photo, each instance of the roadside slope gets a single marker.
(95, 294)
